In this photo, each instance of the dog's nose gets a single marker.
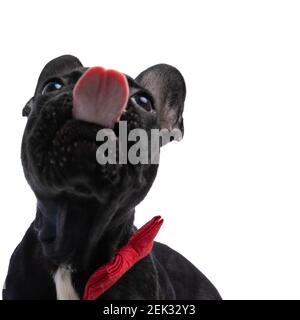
(100, 96)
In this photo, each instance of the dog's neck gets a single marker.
(91, 231)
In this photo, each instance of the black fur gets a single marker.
(85, 211)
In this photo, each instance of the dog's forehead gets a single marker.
(61, 65)
(47, 75)
(71, 67)
(57, 67)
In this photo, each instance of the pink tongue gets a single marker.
(100, 96)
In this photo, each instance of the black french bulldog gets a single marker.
(85, 211)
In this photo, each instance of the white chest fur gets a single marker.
(63, 284)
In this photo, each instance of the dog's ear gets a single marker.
(57, 67)
(26, 110)
(167, 86)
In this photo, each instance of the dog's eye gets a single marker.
(144, 101)
(52, 86)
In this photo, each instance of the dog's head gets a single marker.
(71, 104)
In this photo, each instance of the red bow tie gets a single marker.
(139, 245)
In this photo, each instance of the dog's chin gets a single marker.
(65, 160)
(56, 255)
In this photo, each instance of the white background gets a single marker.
(229, 192)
